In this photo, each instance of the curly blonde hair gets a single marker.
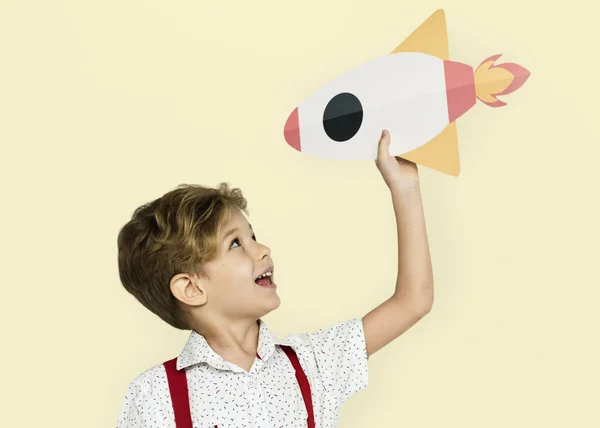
(176, 233)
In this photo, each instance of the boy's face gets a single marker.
(231, 291)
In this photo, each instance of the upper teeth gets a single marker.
(265, 274)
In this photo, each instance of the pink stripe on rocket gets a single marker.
(460, 88)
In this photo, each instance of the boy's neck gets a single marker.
(231, 338)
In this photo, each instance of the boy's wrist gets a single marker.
(405, 187)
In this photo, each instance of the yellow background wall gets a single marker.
(107, 105)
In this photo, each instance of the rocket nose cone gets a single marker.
(291, 131)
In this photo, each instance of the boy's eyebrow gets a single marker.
(232, 231)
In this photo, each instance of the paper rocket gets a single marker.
(416, 92)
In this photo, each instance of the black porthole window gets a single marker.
(343, 117)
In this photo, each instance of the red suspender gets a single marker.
(181, 403)
(179, 394)
(303, 382)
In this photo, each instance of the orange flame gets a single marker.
(493, 80)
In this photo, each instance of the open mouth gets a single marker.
(265, 280)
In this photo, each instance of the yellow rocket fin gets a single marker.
(430, 37)
(440, 153)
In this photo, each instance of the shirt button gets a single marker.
(251, 383)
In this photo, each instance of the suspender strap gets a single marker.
(179, 394)
(303, 382)
(178, 388)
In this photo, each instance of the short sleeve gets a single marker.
(341, 357)
(147, 403)
(130, 415)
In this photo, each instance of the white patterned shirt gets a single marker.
(268, 396)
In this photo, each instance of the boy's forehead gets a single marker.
(238, 221)
(237, 218)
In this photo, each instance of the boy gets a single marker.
(191, 257)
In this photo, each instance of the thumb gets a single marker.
(384, 144)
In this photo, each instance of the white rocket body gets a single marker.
(404, 92)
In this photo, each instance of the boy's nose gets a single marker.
(292, 130)
(261, 250)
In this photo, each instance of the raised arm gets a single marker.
(413, 295)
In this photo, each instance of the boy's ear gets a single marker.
(189, 290)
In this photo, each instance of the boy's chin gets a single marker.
(273, 303)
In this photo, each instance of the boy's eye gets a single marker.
(236, 240)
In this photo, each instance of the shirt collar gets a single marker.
(197, 350)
